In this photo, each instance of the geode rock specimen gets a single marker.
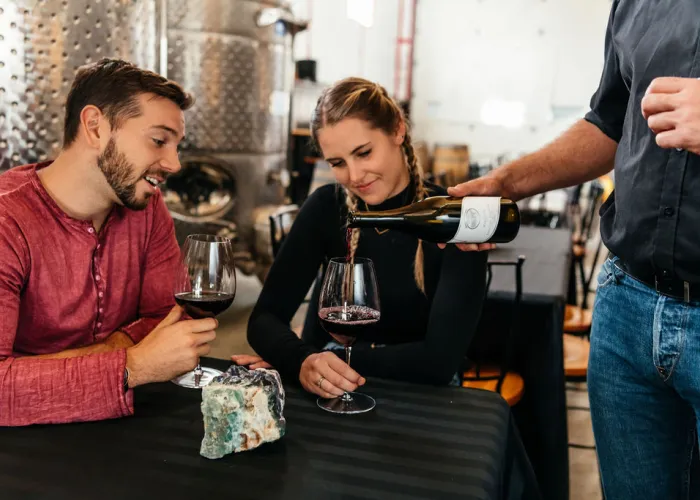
(242, 409)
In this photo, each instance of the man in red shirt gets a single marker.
(87, 255)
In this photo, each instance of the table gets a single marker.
(541, 414)
(549, 209)
(420, 443)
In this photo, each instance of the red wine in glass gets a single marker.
(204, 305)
(347, 323)
(205, 286)
(348, 305)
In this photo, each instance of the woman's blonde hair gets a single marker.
(370, 102)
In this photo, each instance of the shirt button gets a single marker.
(665, 273)
(101, 310)
(668, 212)
(91, 230)
(98, 246)
(97, 278)
(99, 325)
(100, 295)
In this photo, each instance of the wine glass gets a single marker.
(348, 305)
(205, 285)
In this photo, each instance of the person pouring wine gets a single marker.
(430, 299)
(644, 122)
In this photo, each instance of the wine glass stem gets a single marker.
(346, 397)
(197, 375)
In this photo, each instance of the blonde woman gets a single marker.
(431, 298)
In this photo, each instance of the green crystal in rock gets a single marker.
(242, 409)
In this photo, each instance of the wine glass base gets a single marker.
(360, 403)
(187, 379)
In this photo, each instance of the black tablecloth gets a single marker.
(541, 414)
(419, 442)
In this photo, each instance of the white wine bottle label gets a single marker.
(479, 219)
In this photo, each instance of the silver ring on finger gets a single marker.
(320, 381)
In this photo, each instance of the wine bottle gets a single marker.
(444, 219)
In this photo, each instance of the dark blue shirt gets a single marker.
(652, 220)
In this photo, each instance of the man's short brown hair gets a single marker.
(113, 85)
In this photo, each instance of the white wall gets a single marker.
(544, 55)
(342, 47)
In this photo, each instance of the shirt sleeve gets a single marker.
(42, 391)
(610, 101)
(454, 316)
(293, 271)
(161, 260)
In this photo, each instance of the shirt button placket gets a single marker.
(98, 279)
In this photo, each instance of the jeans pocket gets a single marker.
(606, 276)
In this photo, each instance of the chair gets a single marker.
(508, 384)
(280, 224)
(578, 319)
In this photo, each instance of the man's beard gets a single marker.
(118, 171)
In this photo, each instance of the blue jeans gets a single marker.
(644, 387)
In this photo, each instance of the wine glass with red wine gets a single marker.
(205, 286)
(347, 308)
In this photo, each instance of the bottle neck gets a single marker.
(371, 219)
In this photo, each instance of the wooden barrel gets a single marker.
(423, 155)
(452, 160)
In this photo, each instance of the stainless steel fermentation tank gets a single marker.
(235, 56)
